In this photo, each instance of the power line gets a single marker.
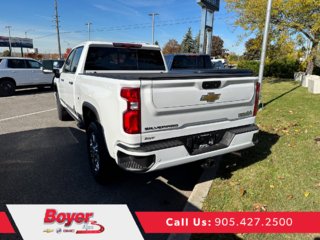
(131, 27)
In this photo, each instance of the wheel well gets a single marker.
(9, 79)
(89, 115)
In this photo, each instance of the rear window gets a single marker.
(16, 63)
(106, 58)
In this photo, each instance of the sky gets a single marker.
(112, 20)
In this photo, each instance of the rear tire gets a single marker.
(7, 88)
(63, 115)
(103, 167)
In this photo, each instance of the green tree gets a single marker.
(253, 49)
(156, 43)
(172, 46)
(188, 43)
(294, 16)
(197, 43)
(217, 47)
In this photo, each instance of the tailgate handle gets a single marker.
(211, 85)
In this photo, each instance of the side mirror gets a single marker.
(56, 73)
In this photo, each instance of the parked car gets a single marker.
(187, 62)
(141, 117)
(219, 63)
(21, 73)
(51, 64)
(200, 63)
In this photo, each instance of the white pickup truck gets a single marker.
(21, 73)
(142, 118)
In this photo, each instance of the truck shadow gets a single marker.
(232, 162)
(50, 166)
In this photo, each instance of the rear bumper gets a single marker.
(172, 152)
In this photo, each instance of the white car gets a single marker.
(21, 73)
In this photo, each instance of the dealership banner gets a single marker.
(65, 222)
(16, 42)
(230, 222)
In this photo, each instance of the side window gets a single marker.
(33, 64)
(67, 66)
(16, 63)
(76, 58)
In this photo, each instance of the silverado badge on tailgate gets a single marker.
(210, 97)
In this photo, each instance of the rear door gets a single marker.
(17, 69)
(182, 104)
(36, 74)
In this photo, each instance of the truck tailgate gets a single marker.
(181, 106)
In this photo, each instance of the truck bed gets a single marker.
(220, 73)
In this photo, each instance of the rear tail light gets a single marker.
(132, 116)
(257, 99)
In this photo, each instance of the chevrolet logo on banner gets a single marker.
(210, 97)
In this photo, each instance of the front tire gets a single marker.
(103, 167)
(7, 88)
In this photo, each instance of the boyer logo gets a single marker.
(67, 220)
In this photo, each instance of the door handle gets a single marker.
(62, 80)
(71, 83)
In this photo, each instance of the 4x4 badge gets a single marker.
(210, 97)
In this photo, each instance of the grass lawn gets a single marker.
(282, 173)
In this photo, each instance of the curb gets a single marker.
(198, 195)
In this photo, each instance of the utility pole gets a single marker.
(89, 30)
(153, 17)
(57, 26)
(10, 47)
(265, 41)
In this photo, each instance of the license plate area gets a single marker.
(201, 142)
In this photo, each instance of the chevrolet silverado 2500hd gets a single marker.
(142, 118)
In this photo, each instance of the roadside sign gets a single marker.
(212, 5)
(16, 42)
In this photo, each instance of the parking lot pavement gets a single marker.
(44, 161)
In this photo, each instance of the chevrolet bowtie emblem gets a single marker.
(210, 97)
(48, 230)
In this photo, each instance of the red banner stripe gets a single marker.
(5, 225)
(230, 222)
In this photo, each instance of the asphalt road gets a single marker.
(44, 161)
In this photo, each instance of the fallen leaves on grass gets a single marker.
(290, 197)
(271, 186)
(317, 140)
(317, 185)
(242, 192)
(259, 207)
(281, 177)
(306, 194)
